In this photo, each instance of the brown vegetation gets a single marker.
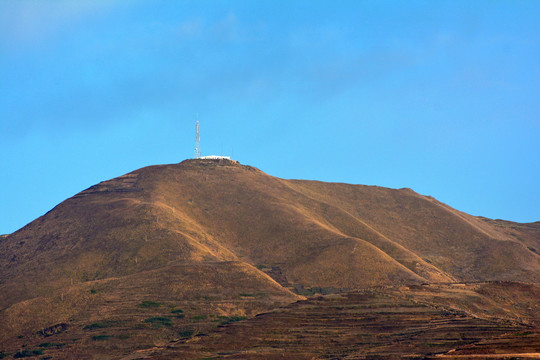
(220, 242)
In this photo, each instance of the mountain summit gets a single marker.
(176, 231)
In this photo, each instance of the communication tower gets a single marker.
(197, 140)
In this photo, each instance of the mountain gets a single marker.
(229, 241)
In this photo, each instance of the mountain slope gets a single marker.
(179, 249)
(317, 234)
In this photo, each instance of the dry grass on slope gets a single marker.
(384, 323)
(315, 234)
(179, 298)
(460, 246)
(261, 220)
(200, 236)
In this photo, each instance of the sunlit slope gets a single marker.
(325, 234)
(316, 234)
(466, 247)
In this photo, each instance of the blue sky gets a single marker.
(438, 96)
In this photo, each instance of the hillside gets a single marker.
(222, 240)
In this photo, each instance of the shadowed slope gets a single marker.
(418, 322)
(218, 289)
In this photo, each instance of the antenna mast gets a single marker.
(197, 140)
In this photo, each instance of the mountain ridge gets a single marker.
(322, 212)
(225, 239)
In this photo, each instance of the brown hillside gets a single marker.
(374, 324)
(225, 241)
(317, 234)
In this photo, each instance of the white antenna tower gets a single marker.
(197, 140)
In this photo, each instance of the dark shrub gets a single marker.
(100, 337)
(98, 325)
(149, 304)
(27, 353)
(185, 333)
(159, 321)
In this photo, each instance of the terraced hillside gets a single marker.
(374, 323)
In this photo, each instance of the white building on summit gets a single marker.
(214, 157)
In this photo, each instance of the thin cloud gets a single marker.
(191, 29)
(26, 22)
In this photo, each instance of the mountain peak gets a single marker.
(177, 232)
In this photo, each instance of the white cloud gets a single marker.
(191, 28)
(26, 22)
(227, 28)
